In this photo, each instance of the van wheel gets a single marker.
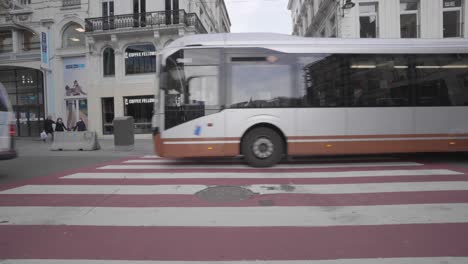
(262, 147)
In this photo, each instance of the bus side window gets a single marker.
(321, 81)
(441, 80)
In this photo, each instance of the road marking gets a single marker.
(257, 188)
(435, 260)
(281, 166)
(300, 216)
(190, 175)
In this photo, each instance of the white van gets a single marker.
(7, 127)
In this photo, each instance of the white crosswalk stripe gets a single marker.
(253, 175)
(281, 166)
(255, 188)
(308, 216)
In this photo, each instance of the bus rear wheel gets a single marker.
(262, 147)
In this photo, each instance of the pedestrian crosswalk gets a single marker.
(382, 210)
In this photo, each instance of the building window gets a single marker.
(107, 115)
(141, 109)
(140, 59)
(369, 20)
(453, 18)
(6, 41)
(31, 41)
(409, 18)
(109, 62)
(73, 36)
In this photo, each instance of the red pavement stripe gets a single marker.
(89, 200)
(204, 244)
(249, 181)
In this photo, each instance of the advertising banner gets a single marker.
(75, 91)
(44, 51)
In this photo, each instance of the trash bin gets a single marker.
(124, 136)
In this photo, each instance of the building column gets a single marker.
(15, 40)
(431, 19)
(465, 19)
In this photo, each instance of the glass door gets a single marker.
(108, 14)
(76, 109)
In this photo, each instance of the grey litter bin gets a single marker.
(124, 136)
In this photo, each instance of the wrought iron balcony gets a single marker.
(143, 20)
(67, 3)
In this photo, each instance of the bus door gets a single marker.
(193, 97)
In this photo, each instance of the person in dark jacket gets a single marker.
(80, 125)
(48, 126)
(60, 126)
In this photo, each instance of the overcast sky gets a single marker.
(259, 16)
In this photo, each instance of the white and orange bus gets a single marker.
(265, 96)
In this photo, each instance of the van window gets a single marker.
(3, 102)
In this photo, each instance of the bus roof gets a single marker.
(296, 44)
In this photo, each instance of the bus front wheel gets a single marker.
(262, 147)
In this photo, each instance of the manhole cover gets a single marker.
(226, 194)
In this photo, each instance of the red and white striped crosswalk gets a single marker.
(320, 210)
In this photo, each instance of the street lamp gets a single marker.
(348, 5)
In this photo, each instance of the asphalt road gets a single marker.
(35, 159)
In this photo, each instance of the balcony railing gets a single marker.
(66, 3)
(143, 20)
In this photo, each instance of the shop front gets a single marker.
(25, 87)
(141, 109)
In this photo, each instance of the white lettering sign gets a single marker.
(139, 54)
(139, 101)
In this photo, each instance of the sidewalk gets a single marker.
(36, 147)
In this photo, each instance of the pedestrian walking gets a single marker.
(48, 127)
(60, 126)
(80, 125)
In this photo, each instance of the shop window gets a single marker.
(140, 59)
(107, 115)
(109, 62)
(73, 36)
(368, 20)
(141, 109)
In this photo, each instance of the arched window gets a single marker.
(109, 62)
(140, 59)
(73, 36)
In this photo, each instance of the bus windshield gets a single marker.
(191, 85)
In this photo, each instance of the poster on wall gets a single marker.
(75, 91)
